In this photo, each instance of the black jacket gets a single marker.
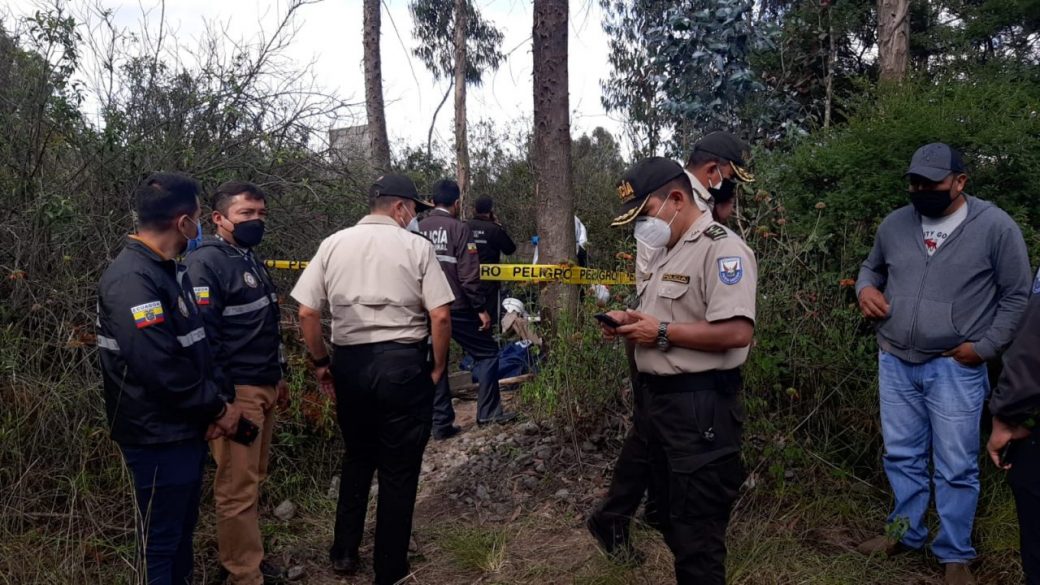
(457, 254)
(239, 305)
(492, 240)
(1017, 396)
(155, 361)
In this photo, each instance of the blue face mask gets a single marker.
(194, 243)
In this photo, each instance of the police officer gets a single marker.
(239, 306)
(161, 398)
(388, 296)
(470, 322)
(691, 334)
(1014, 444)
(717, 160)
(492, 241)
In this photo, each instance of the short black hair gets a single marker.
(445, 192)
(682, 183)
(484, 205)
(222, 197)
(700, 157)
(162, 197)
(382, 202)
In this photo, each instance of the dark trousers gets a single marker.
(696, 421)
(1024, 478)
(465, 330)
(168, 485)
(384, 401)
(632, 473)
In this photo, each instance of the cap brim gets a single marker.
(931, 173)
(422, 205)
(629, 212)
(742, 174)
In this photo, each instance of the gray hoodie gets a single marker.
(974, 288)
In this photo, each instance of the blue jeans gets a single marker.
(168, 486)
(933, 409)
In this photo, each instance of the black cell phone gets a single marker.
(247, 432)
(606, 320)
(1005, 453)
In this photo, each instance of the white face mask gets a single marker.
(653, 232)
(413, 225)
(721, 179)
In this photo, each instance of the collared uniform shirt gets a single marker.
(709, 275)
(378, 280)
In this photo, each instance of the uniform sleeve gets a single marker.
(154, 352)
(1017, 395)
(503, 242)
(469, 266)
(730, 280)
(436, 291)
(310, 288)
(210, 299)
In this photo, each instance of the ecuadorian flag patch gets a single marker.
(201, 295)
(148, 314)
(471, 248)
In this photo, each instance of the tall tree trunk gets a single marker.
(893, 38)
(552, 149)
(832, 56)
(379, 145)
(461, 146)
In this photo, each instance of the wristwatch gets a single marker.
(662, 336)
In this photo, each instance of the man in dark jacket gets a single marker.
(239, 306)
(492, 241)
(161, 398)
(470, 321)
(1016, 410)
(946, 281)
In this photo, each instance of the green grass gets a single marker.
(476, 549)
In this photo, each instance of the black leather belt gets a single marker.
(712, 380)
(383, 347)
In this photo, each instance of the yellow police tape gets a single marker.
(518, 273)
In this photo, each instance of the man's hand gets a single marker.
(609, 333)
(965, 354)
(228, 424)
(328, 388)
(282, 401)
(213, 432)
(485, 320)
(641, 329)
(872, 303)
(1003, 434)
(437, 374)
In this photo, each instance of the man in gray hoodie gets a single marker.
(946, 282)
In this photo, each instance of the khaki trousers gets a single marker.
(236, 488)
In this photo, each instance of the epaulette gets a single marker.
(715, 232)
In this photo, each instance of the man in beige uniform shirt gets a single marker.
(388, 296)
(691, 334)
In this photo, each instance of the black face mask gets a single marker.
(724, 192)
(931, 203)
(249, 233)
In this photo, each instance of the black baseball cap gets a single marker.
(727, 146)
(935, 162)
(397, 185)
(639, 182)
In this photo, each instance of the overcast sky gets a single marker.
(330, 35)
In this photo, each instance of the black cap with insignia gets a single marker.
(399, 186)
(639, 182)
(727, 146)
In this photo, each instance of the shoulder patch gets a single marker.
(680, 278)
(201, 295)
(148, 314)
(471, 248)
(731, 269)
(716, 232)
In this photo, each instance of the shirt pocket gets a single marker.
(671, 295)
